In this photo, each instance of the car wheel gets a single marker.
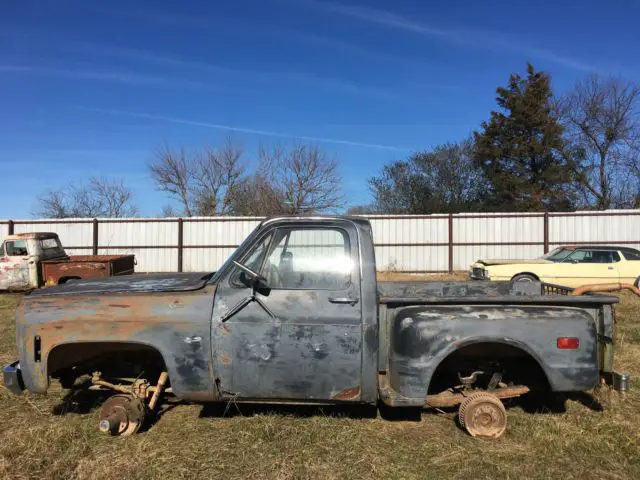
(523, 277)
(637, 284)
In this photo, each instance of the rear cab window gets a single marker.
(51, 247)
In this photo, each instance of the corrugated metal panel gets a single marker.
(204, 259)
(72, 234)
(403, 243)
(497, 228)
(231, 231)
(112, 233)
(592, 228)
(432, 229)
(412, 258)
(149, 260)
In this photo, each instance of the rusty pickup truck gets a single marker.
(296, 315)
(32, 260)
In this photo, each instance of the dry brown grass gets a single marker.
(190, 441)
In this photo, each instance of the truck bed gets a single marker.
(479, 292)
(58, 270)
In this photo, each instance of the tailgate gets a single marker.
(123, 265)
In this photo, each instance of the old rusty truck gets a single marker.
(296, 315)
(32, 260)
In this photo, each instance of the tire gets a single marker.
(637, 284)
(524, 277)
(483, 415)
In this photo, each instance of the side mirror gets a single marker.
(250, 278)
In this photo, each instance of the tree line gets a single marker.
(536, 152)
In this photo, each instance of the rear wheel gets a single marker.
(524, 277)
(637, 284)
(483, 415)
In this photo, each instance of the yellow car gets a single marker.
(571, 266)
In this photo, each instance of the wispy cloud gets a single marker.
(252, 131)
(101, 76)
(333, 84)
(461, 36)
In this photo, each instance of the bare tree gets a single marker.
(204, 182)
(443, 179)
(602, 124)
(173, 173)
(99, 197)
(304, 178)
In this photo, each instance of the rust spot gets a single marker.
(224, 328)
(348, 394)
(225, 359)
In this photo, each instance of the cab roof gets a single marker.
(36, 235)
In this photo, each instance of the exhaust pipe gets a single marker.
(605, 287)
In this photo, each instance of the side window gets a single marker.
(16, 248)
(579, 256)
(615, 257)
(309, 259)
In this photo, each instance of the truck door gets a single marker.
(303, 338)
(14, 265)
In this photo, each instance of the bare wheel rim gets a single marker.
(483, 415)
(525, 279)
(129, 410)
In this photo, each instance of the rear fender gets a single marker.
(422, 337)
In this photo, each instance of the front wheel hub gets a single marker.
(121, 415)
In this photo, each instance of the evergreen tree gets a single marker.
(520, 148)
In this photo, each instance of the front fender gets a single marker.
(422, 337)
(175, 325)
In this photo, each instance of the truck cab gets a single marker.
(21, 255)
(32, 260)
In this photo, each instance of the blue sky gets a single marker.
(93, 87)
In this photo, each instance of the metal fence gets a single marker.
(406, 243)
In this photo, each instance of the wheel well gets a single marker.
(526, 273)
(62, 280)
(113, 359)
(517, 365)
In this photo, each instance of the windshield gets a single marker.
(558, 254)
(242, 247)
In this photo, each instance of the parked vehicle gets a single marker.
(295, 315)
(32, 260)
(572, 266)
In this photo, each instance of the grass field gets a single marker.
(46, 437)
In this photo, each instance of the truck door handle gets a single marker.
(349, 300)
(610, 268)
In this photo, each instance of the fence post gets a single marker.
(180, 242)
(95, 236)
(11, 227)
(545, 233)
(451, 243)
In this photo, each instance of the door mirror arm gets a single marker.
(256, 282)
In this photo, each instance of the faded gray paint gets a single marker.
(422, 337)
(312, 349)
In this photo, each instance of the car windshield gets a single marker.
(215, 276)
(558, 254)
